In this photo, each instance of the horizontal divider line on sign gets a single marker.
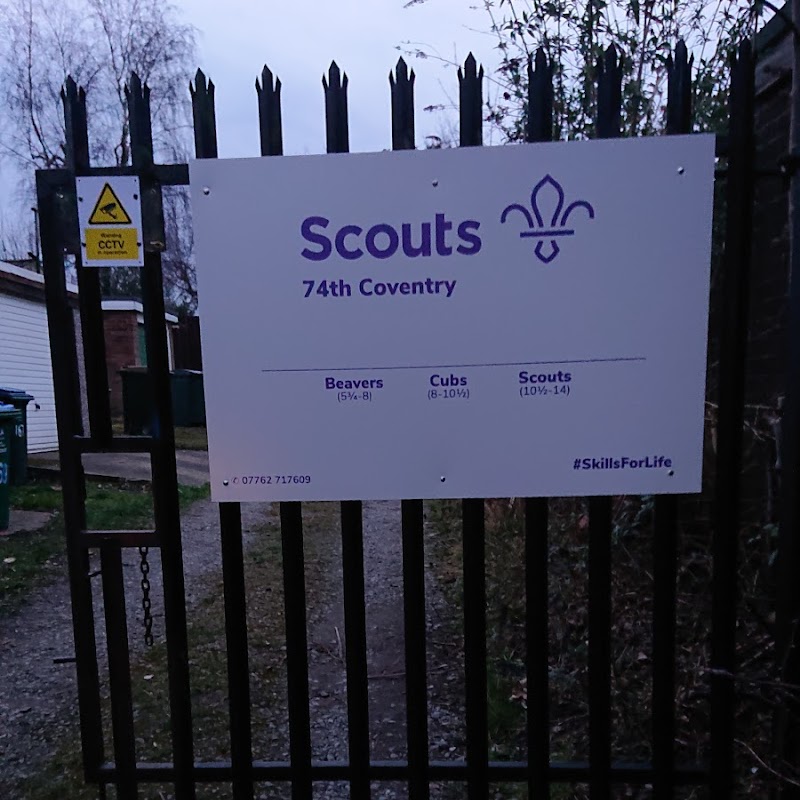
(465, 366)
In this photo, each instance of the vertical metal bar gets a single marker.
(665, 553)
(230, 518)
(356, 649)
(294, 575)
(539, 129)
(165, 478)
(415, 649)
(733, 352)
(537, 647)
(402, 92)
(65, 366)
(119, 673)
(609, 104)
(665, 545)
(470, 81)
(89, 295)
(294, 598)
(787, 723)
(475, 673)
(600, 647)
(338, 141)
(230, 515)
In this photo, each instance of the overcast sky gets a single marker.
(298, 40)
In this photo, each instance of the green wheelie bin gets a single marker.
(18, 460)
(9, 418)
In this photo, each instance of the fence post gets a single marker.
(470, 91)
(665, 545)
(539, 128)
(291, 514)
(733, 353)
(165, 479)
(787, 729)
(65, 367)
(412, 521)
(609, 109)
(338, 141)
(230, 516)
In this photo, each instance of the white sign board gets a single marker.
(527, 320)
(110, 220)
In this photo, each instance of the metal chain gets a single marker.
(147, 621)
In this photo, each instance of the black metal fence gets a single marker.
(124, 770)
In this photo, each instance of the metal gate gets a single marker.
(122, 769)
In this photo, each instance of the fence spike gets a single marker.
(402, 92)
(336, 123)
(199, 85)
(540, 98)
(204, 116)
(76, 148)
(609, 93)
(141, 131)
(269, 113)
(70, 88)
(470, 82)
(679, 90)
(335, 79)
(402, 70)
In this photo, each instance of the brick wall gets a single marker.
(122, 350)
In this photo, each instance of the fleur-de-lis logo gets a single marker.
(547, 228)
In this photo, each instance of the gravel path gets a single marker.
(38, 698)
(385, 659)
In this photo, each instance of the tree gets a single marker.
(99, 43)
(573, 34)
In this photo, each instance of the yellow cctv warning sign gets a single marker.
(108, 210)
(112, 243)
(110, 219)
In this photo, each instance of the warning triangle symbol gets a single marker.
(108, 209)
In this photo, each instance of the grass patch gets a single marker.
(37, 557)
(28, 560)
(191, 439)
(194, 438)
